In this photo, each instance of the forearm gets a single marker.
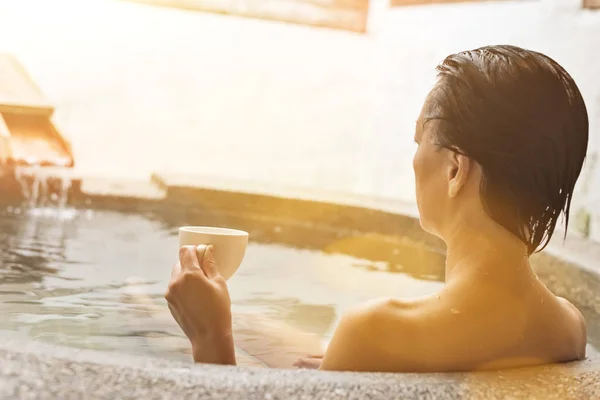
(216, 349)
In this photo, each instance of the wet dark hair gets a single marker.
(520, 115)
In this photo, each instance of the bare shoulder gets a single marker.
(362, 339)
(383, 307)
(579, 325)
(377, 316)
(573, 311)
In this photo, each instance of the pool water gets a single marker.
(96, 279)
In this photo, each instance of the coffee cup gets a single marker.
(229, 245)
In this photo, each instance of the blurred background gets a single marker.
(321, 94)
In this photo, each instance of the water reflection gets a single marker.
(97, 279)
(312, 318)
(392, 254)
(31, 247)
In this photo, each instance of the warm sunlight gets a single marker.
(231, 199)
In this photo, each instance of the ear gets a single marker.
(457, 173)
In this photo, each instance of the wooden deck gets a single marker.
(27, 134)
(399, 3)
(18, 92)
(348, 15)
(593, 4)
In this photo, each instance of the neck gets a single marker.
(485, 248)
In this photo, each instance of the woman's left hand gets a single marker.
(309, 362)
(199, 301)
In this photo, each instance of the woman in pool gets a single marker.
(502, 138)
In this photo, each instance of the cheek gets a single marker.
(428, 181)
(421, 187)
(428, 166)
(418, 161)
(418, 165)
(415, 160)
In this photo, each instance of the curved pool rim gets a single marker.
(31, 369)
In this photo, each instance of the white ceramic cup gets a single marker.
(229, 245)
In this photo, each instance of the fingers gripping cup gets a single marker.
(229, 245)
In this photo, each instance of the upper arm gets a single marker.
(581, 325)
(371, 338)
(348, 345)
(576, 314)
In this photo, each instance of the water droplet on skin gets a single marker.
(454, 311)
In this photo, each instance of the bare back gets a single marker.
(476, 327)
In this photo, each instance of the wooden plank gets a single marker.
(35, 141)
(27, 136)
(338, 14)
(4, 132)
(4, 142)
(593, 4)
(399, 3)
(18, 92)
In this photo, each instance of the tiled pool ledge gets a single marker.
(34, 370)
